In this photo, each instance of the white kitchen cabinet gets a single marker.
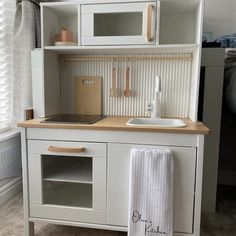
(67, 180)
(118, 185)
(119, 23)
(89, 188)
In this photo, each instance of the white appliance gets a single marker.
(119, 24)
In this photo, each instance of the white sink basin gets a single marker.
(168, 123)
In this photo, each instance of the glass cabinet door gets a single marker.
(67, 184)
(117, 24)
(67, 181)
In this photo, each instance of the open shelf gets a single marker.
(67, 194)
(57, 16)
(179, 22)
(67, 169)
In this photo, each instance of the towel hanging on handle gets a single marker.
(151, 192)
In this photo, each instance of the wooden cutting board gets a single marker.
(88, 95)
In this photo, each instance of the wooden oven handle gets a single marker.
(65, 149)
(150, 12)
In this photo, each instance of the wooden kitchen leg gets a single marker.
(29, 229)
(29, 226)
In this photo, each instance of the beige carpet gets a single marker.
(11, 224)
(222, 223)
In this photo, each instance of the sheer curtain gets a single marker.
(19, 34)
(7, 12)
(26, 38)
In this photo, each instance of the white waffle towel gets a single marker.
(151, 192)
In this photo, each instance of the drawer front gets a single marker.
(97, 150)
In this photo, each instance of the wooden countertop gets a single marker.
(119, 124)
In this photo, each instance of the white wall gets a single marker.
(220, 17)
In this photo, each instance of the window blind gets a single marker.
(7, 11)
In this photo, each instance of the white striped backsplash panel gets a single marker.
(175, 78)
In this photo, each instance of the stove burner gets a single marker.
(74, 118)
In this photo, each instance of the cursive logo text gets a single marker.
(149, 228)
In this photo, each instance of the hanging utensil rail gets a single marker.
(164, 57)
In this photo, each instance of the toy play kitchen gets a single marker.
(78, 173)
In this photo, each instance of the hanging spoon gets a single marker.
(114, 83)
(127, 91)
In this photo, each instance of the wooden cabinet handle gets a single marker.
(64, 149)
(150, 12)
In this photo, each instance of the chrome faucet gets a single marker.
(155, 106)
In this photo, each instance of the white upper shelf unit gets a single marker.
(166, 26)
(153, 24)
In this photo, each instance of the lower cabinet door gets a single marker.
(118, 185)
(67, 180)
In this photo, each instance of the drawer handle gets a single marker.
(150, 12)
(64, 149)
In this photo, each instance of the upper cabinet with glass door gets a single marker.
(133, 23)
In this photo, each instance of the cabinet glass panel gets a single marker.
(67, 180)
(67, 169)
(67, 194)
(118, 24)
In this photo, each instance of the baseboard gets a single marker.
(227, 178)
(9, 192)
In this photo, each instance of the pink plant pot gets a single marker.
(66, 36)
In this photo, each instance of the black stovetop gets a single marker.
(74, 118)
